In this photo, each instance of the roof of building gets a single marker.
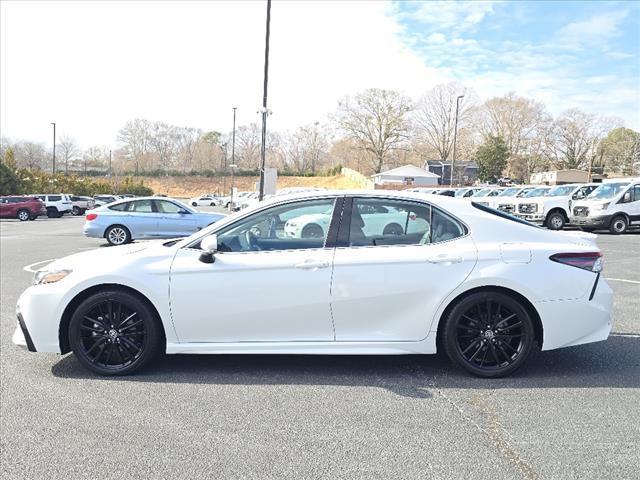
(408, 171)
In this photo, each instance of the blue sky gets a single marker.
(567, 54)
(92, 66)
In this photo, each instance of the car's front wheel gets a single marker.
(118, 235)
(555, 221)
(194, 204)
(114, 333)
(76, 211)
(489, 334)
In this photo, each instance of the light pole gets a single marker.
(232, 166)
(264, 102)
(233, 144)
(455, 137)
(54, 147)
(109, 162)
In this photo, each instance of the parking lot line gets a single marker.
(622, 280)
(29, 268)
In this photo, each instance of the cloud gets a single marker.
(450, 15)
(436, 38)
(593, 30)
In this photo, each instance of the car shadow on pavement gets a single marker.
(611, 364)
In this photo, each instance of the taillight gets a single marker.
(591, 261)
(91, 216)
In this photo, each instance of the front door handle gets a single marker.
(444, 259)
(312, 265)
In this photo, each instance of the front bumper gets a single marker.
(532, 217)
(601, 221)
(39, 319)
(21, 336)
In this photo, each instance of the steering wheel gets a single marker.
(251, 240)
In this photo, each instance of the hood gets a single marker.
(111, 257)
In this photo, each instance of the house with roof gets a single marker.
(406, 176)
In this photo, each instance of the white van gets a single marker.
(614, 205)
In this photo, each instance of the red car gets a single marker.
(22, 208)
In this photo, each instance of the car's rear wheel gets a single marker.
(489, 334)
(619, 225)
(114, 333)
(393, 229)
(555, 221)
(118, 235)
(194, 204)
(24, 215)
(53, 213)
(312, 230)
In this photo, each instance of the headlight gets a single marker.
(46, 276)
(602, 206)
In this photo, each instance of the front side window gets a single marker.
(293, 226)
(606, 191)
(636, 193)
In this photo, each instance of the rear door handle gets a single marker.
(312, 265)
(444, 259)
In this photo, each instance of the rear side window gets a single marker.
(121, 207)
(501, 214)
(55, 198)
(142, 206)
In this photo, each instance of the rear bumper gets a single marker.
(93, 230)
(575, 322)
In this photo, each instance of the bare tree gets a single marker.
(31, 155)
(436, 116)
(522, 123)
(575, 138)
(187, 145)
(68, 150)
(248, 146)
(94, 158)
(135, 138)
(377, 121)
(163, 142)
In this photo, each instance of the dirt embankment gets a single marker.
(186, 187)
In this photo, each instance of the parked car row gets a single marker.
(613, 205)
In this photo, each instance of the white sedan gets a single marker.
(485, 287)
(204, 201)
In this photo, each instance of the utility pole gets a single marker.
(264, 102)
(233, 149)
(54, 147)
(455, 137)
(109, 162)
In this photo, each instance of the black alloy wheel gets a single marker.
(489, 334)
(114, 333)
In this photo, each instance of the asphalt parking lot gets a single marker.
(570, 413)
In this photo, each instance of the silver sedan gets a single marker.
(145, 218)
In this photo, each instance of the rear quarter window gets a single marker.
(501, 214)
(54, 198)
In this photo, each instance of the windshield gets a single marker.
(561, 191)
(460, 193)
(509, 192)
(536, 192)
(482, 193)
(606, 191)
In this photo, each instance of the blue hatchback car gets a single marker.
(125, 220)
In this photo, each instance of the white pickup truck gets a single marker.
(554, 208)
(506, 200)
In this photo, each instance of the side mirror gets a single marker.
(182, 211)
(209, 246)
(626, 198)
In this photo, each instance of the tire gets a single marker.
(488, 352)
(33, 217)
(313, 230)
(393, 229)
(77, 211)
(555, 221)
(194, 204)
(619, 225)
(212, 204)
(118, 235)
(24, 215)
(114, 333)
(53, 212)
